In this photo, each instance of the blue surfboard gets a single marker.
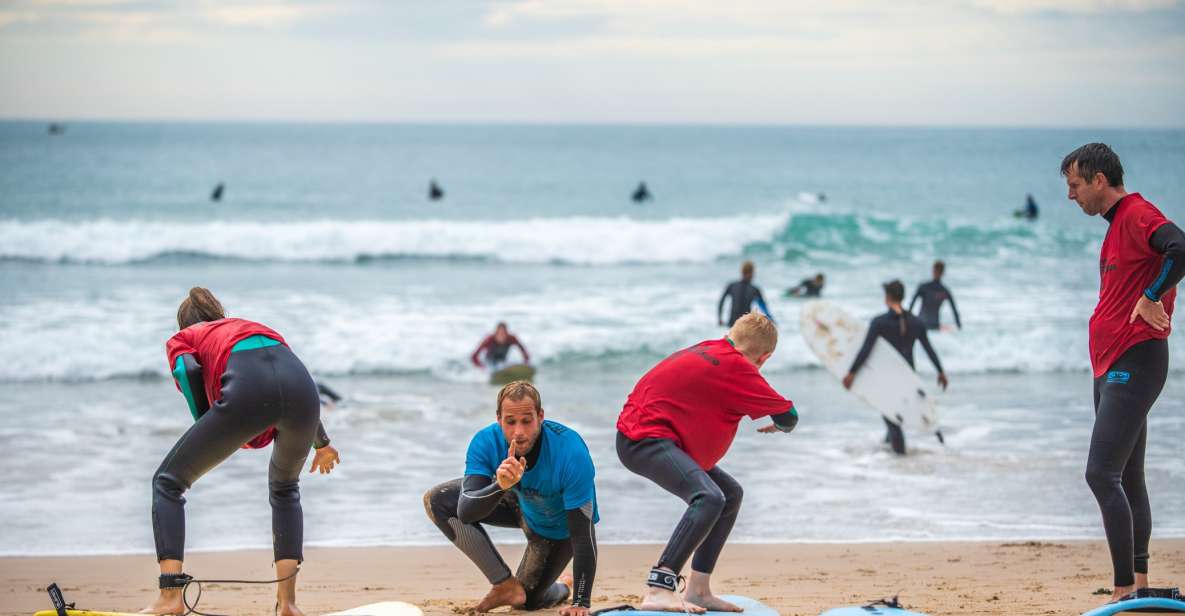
(1140, 606)
(752, 607)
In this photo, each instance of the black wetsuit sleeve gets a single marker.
(930, 351)
(479, 498)
(865, 349)
(951, 297)
(1169, 241)
(720, 304)
(188, 374)
(322, 438)
(584, 555)
(326, 391)
(785, 422)
(916, 295)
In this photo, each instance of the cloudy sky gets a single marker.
(962, 62)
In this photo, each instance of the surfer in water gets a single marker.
(678, 422)
(245, 389)
(933, 294)
(1142, 260)
(1030, 211)
(641, 193)
(435, 192)
(901, 329)
(532, 474)
(216, 194)
(495, 349)
(809, 287)
(743, 294)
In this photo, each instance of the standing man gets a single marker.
(743, 294)
(676, 425)
(524, 472)
(901, 329)
(1142, 260)
(933, 294)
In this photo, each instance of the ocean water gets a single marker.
(325, 234)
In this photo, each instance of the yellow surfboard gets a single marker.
(83, 613)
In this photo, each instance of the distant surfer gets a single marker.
(1030, 210)
(435, 192)
(743, 294)
(822, 197)
(933, 293)
(493, 351)
(900, 329)
(328, 396)
(57, 129)
(527, 473)
(809, 287)
(1142, 260)
(641, 193)
(217, 194)
(245, 389)
(678, 422)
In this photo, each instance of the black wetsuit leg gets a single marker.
(543, 560)
(662, 462)
(895, 436)
(261, 388)
(1115, 465)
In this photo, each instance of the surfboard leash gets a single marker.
(183, 581)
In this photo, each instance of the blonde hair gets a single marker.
(517, 390)
(754, 334)
(747, 269)
(201, 305)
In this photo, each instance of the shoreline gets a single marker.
(934, 577)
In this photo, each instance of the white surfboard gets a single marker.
(885, 381)
(386, 608)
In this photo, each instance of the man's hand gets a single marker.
(848, 379)
(574, 610)
(324, 459)
(770, 429)
(942, 380)
(511, 470)
(1152, 312)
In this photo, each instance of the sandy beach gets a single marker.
(986, 578)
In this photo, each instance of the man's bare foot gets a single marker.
(169, 602)
(663, 600)
(1121, 592)
(510, 593)
(289, 610)
(712, 603)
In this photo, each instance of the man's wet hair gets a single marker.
(1095, 158)
(518, 390)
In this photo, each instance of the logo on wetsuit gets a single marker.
(1119, 376)
(701, 353)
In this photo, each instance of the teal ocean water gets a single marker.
(326, 234)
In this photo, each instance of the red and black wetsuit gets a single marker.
(495, 352)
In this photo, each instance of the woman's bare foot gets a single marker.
(169, 602)
(1121, 592)
(1141, 580)
(510, 593)
(712, 603)
(663, 600)
(289, 610)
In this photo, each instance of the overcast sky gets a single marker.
(964, 62)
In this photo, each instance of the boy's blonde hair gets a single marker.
(755, 334)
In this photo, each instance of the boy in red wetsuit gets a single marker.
(676, 425)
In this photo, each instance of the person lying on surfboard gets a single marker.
(678, 422)
(496, 347)
(537, 475)
(245, 389)
(901, 329)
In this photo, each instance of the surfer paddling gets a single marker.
(901, 329)
(496, 347)
(678, 422)
(537, 475)
(245, 388)
(1142, 260)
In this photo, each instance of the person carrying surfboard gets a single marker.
(901, 329)
(525, 472)
(1142, 260)
(933, 294)
(678, 422)
(245, 389)
(496, 347)
(743, 294)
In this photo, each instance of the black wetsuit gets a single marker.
(261, 388)
(743, 294)
(809, 288)
(901, 331)
(460, 507)
(1123, 396)
(933, 293)
(713, 496)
